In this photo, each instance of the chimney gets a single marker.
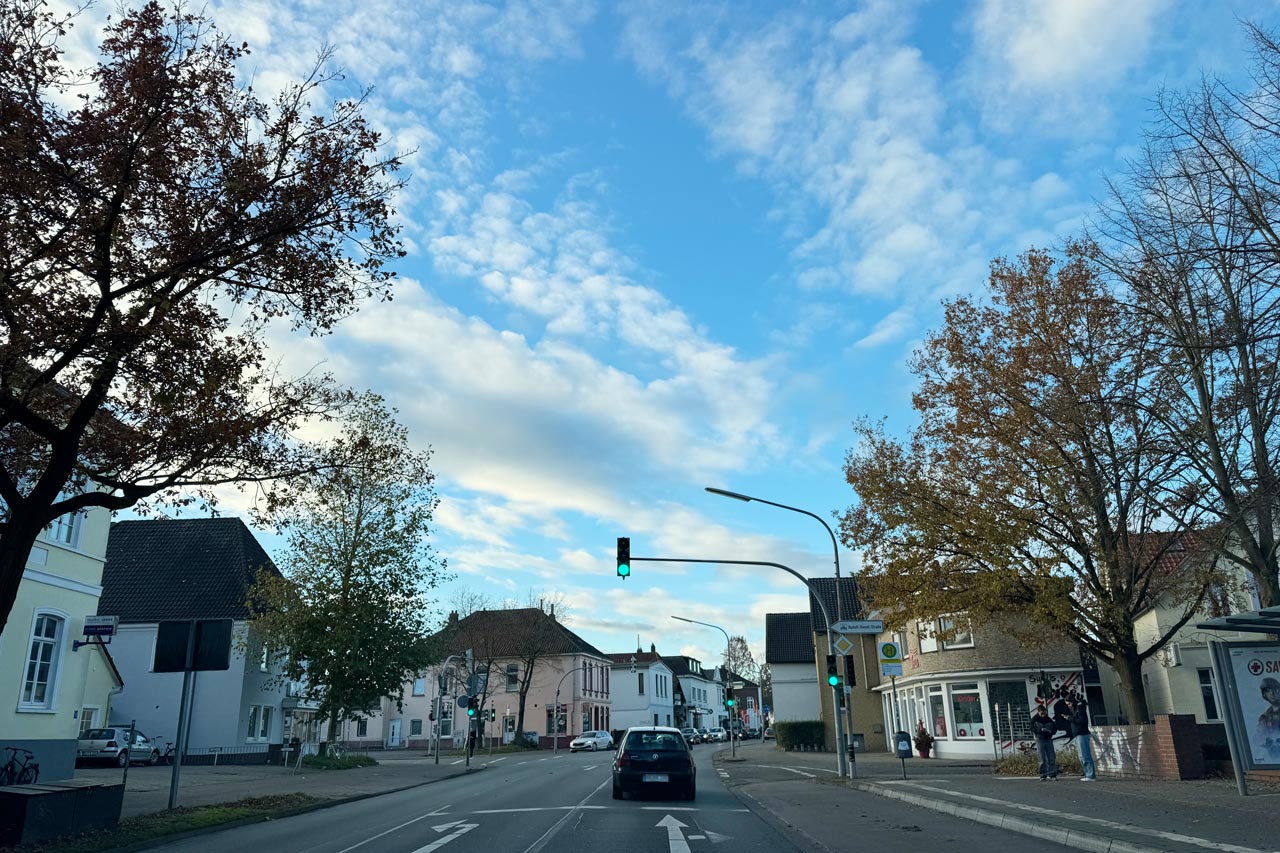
(453, 618)
(553, 610)
(653, 648)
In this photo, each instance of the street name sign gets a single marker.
(858, 626)
(890, 659)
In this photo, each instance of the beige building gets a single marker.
(57, 689)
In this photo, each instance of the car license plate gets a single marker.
(654, 777)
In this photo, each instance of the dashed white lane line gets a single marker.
(459, 761)
(496, 760)
(591, 767)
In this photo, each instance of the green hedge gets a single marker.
(797, 734)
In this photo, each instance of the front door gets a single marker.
(393, 736)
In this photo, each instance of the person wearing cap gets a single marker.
(1080, 729)
(1043, 727)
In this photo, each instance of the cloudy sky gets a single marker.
(660, 246)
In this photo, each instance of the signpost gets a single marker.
(891, 665)
(187, 646)
(859, 626)
(102, 628)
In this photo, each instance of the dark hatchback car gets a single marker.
(654, 758)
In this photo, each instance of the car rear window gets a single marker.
(656, 742)
(98, 734)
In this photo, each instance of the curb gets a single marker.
(161, 840)
(1077, 838)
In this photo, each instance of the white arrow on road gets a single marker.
(675, 838)
(461, 829)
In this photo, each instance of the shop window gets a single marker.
(937, 712)
(966, 711)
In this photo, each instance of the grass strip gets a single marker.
(149, 827)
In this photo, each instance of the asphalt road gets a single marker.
(530, 803)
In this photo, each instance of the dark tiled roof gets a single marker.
(624, 658)
(788, 638)
(850, 608)
(184, 568)
(746, 682)
(683, 665)
(513, 633)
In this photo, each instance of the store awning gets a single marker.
(1264, 621)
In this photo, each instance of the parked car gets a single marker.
(115, 745)
(753, 732)
(654, 758)
(691, 736)
(591, 741)
(717, 734)
(705, 735)
(768, 733)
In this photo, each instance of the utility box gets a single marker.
(902, 744)
(858, 741)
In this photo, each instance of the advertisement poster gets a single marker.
(1256, 669)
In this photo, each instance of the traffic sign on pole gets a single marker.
(890, 659)
(858, 626)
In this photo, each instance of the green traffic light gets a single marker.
(728, 703)
(833, 680)
(624, 570)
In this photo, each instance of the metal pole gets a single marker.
(124, 779)
(835, 550)
(178, 748)
(840, 757)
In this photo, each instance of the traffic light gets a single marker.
(728, 697)
(471, 706)
(624, 557)
(850, 675)
(493, 714)
(833, 675)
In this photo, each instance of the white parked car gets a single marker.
(591, 741)
(717, 734)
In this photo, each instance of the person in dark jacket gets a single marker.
(1080, 729)
(1043, 727)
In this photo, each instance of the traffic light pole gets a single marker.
(841, 761)
(728, 647)
(555, 716)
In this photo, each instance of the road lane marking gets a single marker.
(558, 825)
(496, 760)
(1110, 824)
(389, 831)
(460, 831)
(801, 772)
(591, 767)
(460, 760)
(675, 838)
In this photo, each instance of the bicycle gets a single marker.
(167, 758)
(336, 750)
(14, 773)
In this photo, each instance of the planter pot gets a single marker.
(923, 753)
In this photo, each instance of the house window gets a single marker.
(88, 718)
(264, 663)
(655, 719)
(513, 677)
(966, 710)
(43, 658)
(1208, 692)
(937, 712)
(362, 728)
(252, 733)
(415, 728)
(928, 639)
(264, 727)
(963, 636)
(640, 678)
(65, 529)
(419, 688)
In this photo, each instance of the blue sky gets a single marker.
(659, 246)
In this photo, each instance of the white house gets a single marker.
(197, 568)
(703, 694)
(788, 643)
(642, 694)
(57, 690)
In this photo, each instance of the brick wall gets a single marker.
(1168, 749)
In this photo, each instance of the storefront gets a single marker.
(974, 713)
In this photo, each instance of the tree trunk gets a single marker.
(15, 549)
(1133, 693)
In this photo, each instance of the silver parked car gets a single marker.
(717, 735)
(591, 741)
(118, 746)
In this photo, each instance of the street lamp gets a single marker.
(733, 744)
(555, 714)
(835, 550)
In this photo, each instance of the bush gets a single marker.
(346, 762)
(1026, 762)
(797, 734)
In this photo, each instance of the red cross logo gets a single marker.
(1255, 667)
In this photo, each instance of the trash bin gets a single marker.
(902, 744)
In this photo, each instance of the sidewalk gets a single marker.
(147, 789)
(1108, 815)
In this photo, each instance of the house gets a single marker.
(197, 568)
(60, 687)
(701, 690)
(748, 702)
(495, 656)
(788, 650)
(1179, 679)
(973, 686)
(642, 689)
(858, 665)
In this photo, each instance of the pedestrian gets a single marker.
(1043, 727)
(1080, 729)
